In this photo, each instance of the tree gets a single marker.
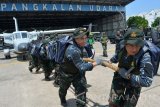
(156, 22)
(139, 21)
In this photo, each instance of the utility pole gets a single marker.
(123, 17)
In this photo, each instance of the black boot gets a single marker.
(30, 69)
(105, 53)
(47, 79)
(38, 68)
(63, 102)
(55, 84)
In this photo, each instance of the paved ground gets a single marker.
(20, 88)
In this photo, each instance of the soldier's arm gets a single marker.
(74, 55)
(144, 79)
(114, 59)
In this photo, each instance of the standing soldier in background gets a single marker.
(73, 69)
(118, 38)
(135, 70)
(90, 40)
(104, 40)
(155, 34)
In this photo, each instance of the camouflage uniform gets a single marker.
(34, 63)
(125, 92)
(72, 72)
(47, 65)
(156, 40)
(104, 41)
(33, 60)
(118, 38)
(87, 53)
(156, 36)
(56, 75)
(90, 40)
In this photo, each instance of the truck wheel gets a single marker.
(9, 56)
(6, 57)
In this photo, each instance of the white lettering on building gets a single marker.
(104, 8)
(79, 8)
(70, 8)
(45, 7)
(62, 7)
(91, 7)
(54, 7)
(3, 6)
(24, 7)
(116, 8)
(35, 7)
(110, 8)
(98, 8)
(14, 8)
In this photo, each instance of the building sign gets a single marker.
(4, 7)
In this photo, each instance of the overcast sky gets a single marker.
(140, 6)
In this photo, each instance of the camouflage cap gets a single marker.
(45, 41)
(53, 36)
(79, 32)
(134, 37)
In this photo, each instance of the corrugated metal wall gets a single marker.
(110, 24)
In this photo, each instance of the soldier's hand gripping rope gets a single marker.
(103, 63)
(123, 72)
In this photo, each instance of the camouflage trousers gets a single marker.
(47, 67)
(122, 94)
(104, 46)
(57, 74)
(34, 63)
(78, 81)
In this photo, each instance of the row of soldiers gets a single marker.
(132, 74)
(38, 58)
(64, 73)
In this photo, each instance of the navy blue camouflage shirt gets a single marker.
(145, 76)
(74, 53)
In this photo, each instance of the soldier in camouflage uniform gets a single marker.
(73, 68)
(156, 40)
(90, 39)
(47, 65)
(156, 36)
(118, 39)
(132, 76)
(104, 41)
(33, 60)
